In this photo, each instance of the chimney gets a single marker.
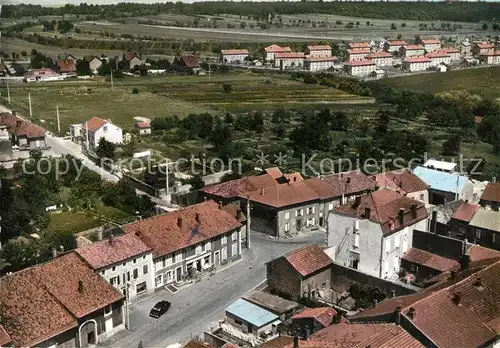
(262, 191)
(220, 204)
(411, 313)
(466, 201)
(397, 314)
(18, 123)
(413, 211)
(477, 282)
(80, 287)
(348, 181)
(295, 341)
(111, 238)
(456, 298)
(464, 262)
(453, 274)
(179, 222)
(54, 253)
(434, 222)
(294, 179)
(197, 217)
(99, 234)
(367, 212)
(393, 293)
(401, 216)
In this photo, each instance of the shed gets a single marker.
(275, 304)
(251, 318)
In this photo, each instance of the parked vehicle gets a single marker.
(159, 309)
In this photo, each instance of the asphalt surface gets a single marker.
(199, 307)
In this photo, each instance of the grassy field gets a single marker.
(482, 81)
(168, 96)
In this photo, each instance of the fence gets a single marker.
(140, 185)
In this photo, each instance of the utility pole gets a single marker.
(111, 78)
(8, 92)
(166, 182)
(58, 120)
(248, 222)
(87, 134)
(29, 101)
(209, 71)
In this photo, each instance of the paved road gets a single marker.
(200, 306)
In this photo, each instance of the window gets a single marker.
(144, 258)
(136, 273)
(356, 241)
(396, 241)
(113, 269)
(105, 128)
(199, 249)
(178, 256)
(287, 215)
(234, 250)
(208, 246)
(103, 272)
(107, 310)
(396, 263)
(422, 197)
(124, 264)
(164, 262)
(310, 210)
(478, 233)
(234, 236)
(224, 240)
(224, 253)
(387, 244)
(128, 276)
(145, 269)
(287, 227)
(112, 281)
(206, 260)
(141, 287)
(330, 206)
(118, 280)
(299, 212)
(135, 260)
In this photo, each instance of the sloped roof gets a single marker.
(188, 61)
(321, 59)
(437, 54)
(347, 183)
(66, 65)
(240, 187)
(308, 259)
(397, 43)
(429, 260)
(19, 127)
(163, 234)
(413, 47)
(289, 55)
(465, 211)
(491, 192)
(385, 207)
(420, 59)
(479, 253)
(381, 54)
(90, 58)
(319, 48)
(94, 124)
(323, 315)
(355, 45)
(234, 51)
(275, 172)
(486, 219)
(359, 51)
(442, 181)
(143, 125)
(4, 337)
(197, 344)
(233, 210)
(430, 41)
(359, 62)
(108, 252)
(128, 56)
(400, 181)
(284, 195)
(274, 303)
(276, 48)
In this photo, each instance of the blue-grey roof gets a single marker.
(251, 313)
(440, 180)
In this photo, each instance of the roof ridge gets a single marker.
(386, 327)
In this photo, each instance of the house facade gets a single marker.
(431, 45)
(289, 60)
(492, 57)
(98, 128)
(360, 67)
(484, 228)
(319, 63)
(143, 128)
(131, 60)
(455, 53)
(42, 75)
(420, 63)
(270, 51)
(94, 63)
(438, 57)
(69, 305)
(381, 58)
(372, 233)
(125, 262)
(358, 54)
(481, 48)
(394, 46)
(304, 272)
(358, 45)
(186, 64)
(189, 243)
(234, 56)
(412, 51)
(66, 67)
(319, 50)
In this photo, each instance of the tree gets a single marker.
(278, 130)
(221, 134)
(403, 25)
(82, 67)
(399, 36)
(104, 69)
(393, 26)
(196, 182)
(484, 26)
(226, 87)
(451, 146)
(106, 149)
(228, 118)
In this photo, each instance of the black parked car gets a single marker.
(159, 309)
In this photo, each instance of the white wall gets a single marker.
(110, 132)
(418, 196)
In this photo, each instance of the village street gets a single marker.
(197, 308)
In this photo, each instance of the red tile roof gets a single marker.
(479, 253)
(437, 54)
(128, 56)
(235, 52)
(359, 51)
(421, 59)
(323, 315)
(289, 55)
(114, 250)
(197, 344)
(275, 172)
(66, 65)
(164, 235)
(321, 59)
(430, 41)
(390, 336)
(347, 335)
(334, 185)
(143, 125)
(50, 300)
(4, 337)
(284, 195)
(397, 43)
(491, 53)
(363, 62)
(381, 54)
(384, 208)
(413, 47)
(465, 211)
(486, 45)
(187, 61)
(233, 209)
(94, 124)
(293, 177)
(19, 127)
(240, 187)
(319, 48)
(308, 259)
(491, 192)
(400, 181)
(276, 48)
(450, 50)
(359, 45)
(429, 260)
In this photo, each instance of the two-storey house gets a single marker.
(412, 51)
(381, 58)
(481, 48)
(484, 228)
(420, 63)
(125, 262)
(319, 50)
(439, 57)
(270, 51)
(430, 45)
(96, 128)
(93, 63)
(189, 242)
(492, 57)
(405, 182)
(357, 54)
(289, 60)
(319, 63)
(393, 46)
(23, 133)
(358, 45)
(238, 56)
(455, 53)
(372, 233)
(360, 67)
(131, 60)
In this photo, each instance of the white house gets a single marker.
(270, 51)
(357, 54)
(439, 57)
(42, 75)
(289, 60)
(372, 233)
(360, 67)
(98, 128)
(234, 56)
(94, 63)
(412, 51)
(319, 50)
(416, 63)
(431, 45)
(124, 261)
(454, 53)
(491, 57)
(319, 63)
(381, 58)
(394, 46)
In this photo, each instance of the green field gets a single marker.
(481, 81)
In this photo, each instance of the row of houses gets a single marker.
(22, 133)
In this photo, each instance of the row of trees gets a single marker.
(460, 12)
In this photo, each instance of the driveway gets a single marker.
(199, 307)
